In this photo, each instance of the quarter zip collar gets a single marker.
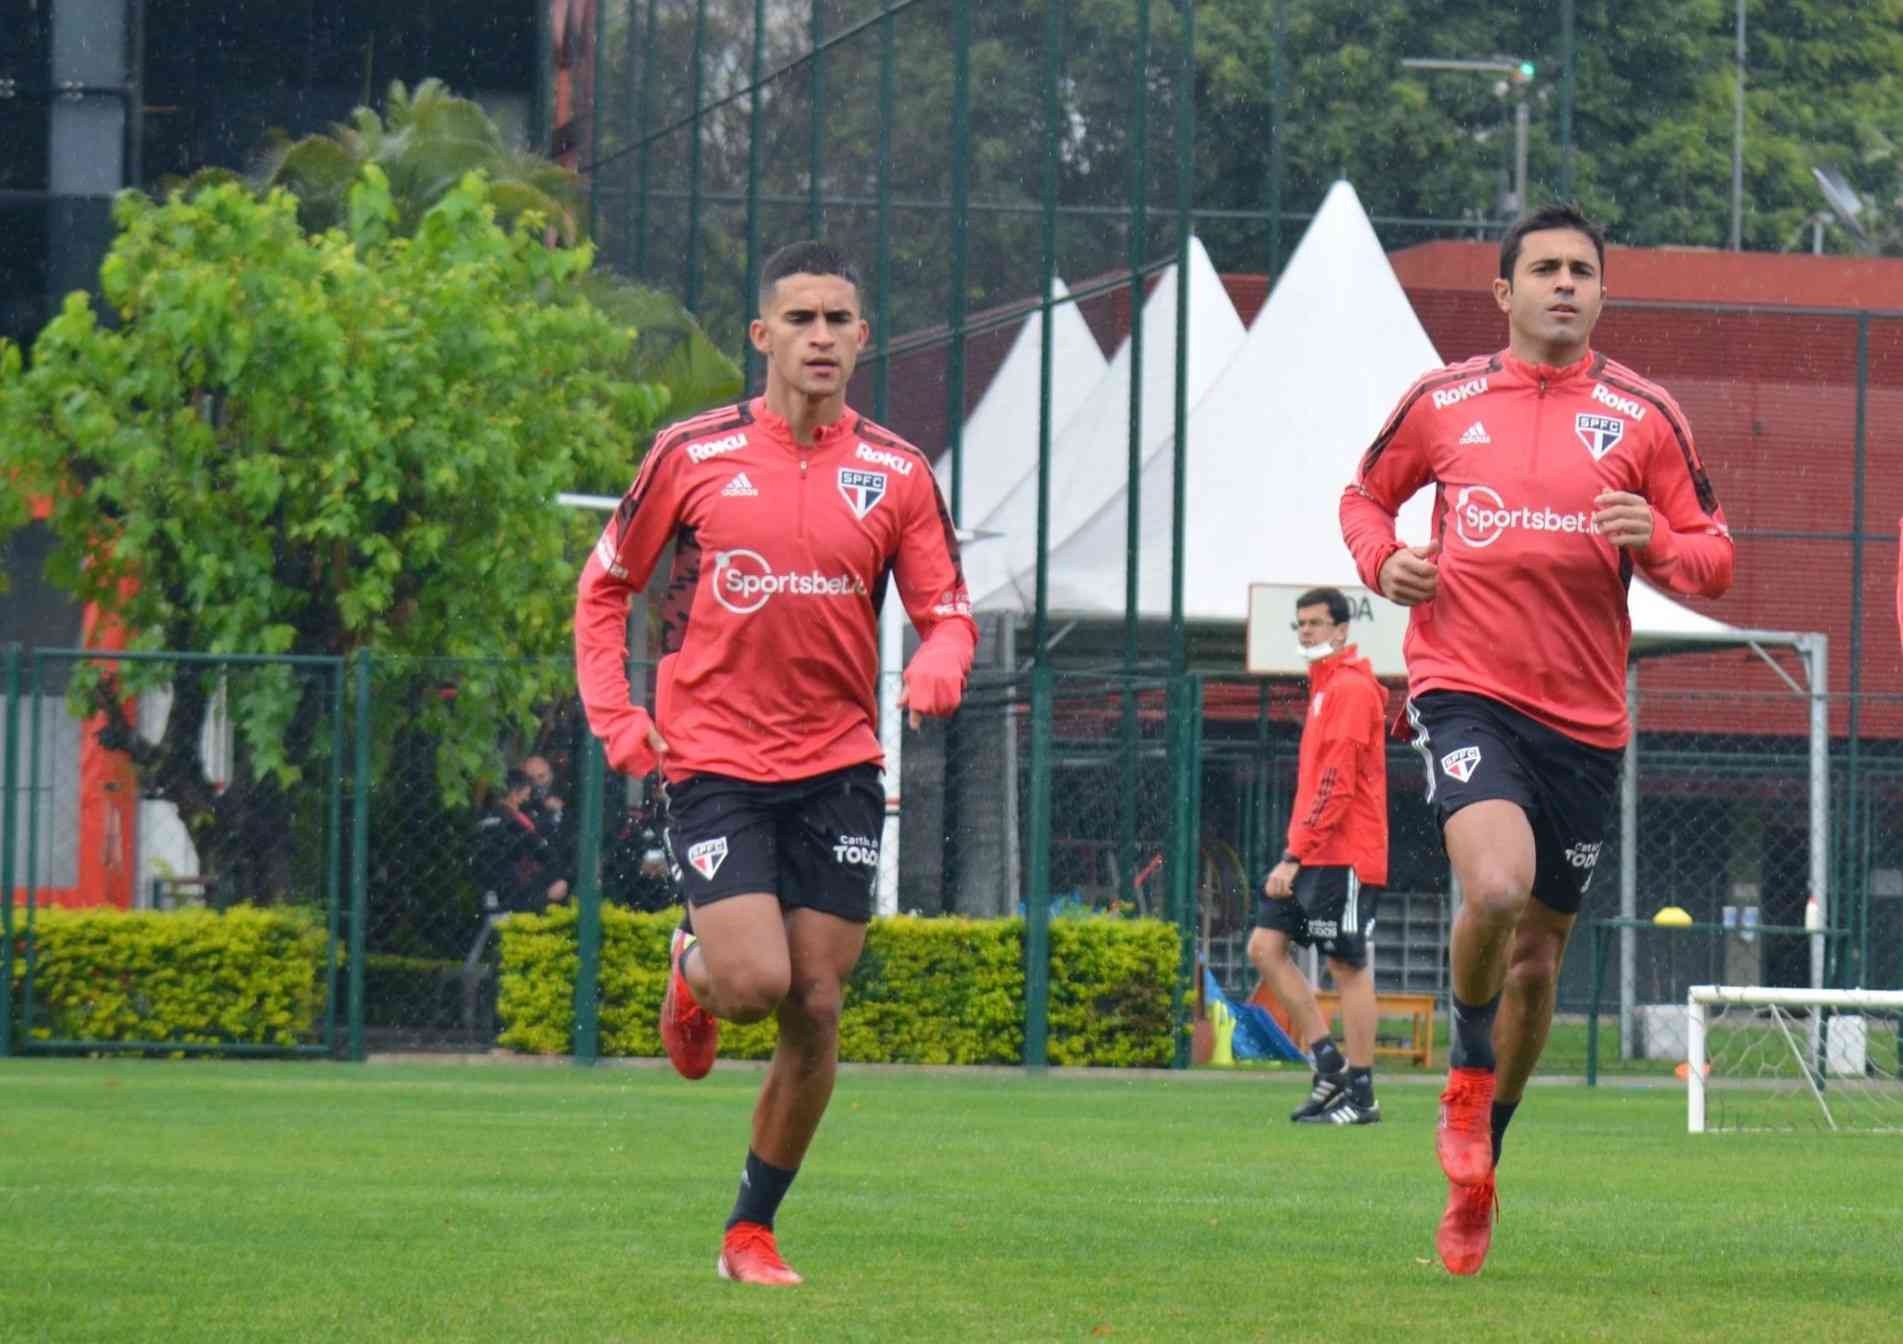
(1322, 670)
(775, 426)
(1547, 374)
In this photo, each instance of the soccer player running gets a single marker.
(1325, 890)
(1557, 473)
(788, 515)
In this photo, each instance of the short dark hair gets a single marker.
(809, 256)
(516, 779)
(1329, 597)
(1555, 215)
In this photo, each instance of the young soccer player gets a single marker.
(790, 516)
(1558, 473)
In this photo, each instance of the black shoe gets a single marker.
(1329, 1091)
(1347, 1111)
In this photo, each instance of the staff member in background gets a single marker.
(1325, 890)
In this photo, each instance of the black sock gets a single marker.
(1502, 1117)
(1327, 1056)
(1472, 1045)
(762, 1187)
(1361, 1086)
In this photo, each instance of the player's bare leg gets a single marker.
(1355, 985)
(1491, 847)
(1526, 1008)
(822, 950)
(740, 969)
(1269, 953)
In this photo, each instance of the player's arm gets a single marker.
(1394, 467)
(618, 568)
(1673, 525)
(931, 583)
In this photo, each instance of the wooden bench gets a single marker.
(1418, 1008)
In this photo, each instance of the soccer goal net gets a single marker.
(1790, 1059)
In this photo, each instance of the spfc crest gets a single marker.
(1460, 764)
(1600, 433)
(706, 856)
(862, 489)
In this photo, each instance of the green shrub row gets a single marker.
(925, 991)
(243, 976)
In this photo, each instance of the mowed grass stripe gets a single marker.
(199, 1200)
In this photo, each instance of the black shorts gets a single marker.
(1330, 909)
(814, 843)
(1476, 749)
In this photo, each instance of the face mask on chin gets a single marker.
(1314, 653)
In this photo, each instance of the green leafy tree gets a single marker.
(425, 142)
(311, 444)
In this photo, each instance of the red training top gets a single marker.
(1341, 784)
(770, 639)
(1531, 608)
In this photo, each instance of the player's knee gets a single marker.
(1497, 892)
(754, 994)
(1535, 967)
(818, 1003)
(1263, 949)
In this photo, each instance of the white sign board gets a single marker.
(1375, 627)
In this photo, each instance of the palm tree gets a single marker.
(425, 141)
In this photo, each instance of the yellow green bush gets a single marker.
(240, 976)
(925, 991)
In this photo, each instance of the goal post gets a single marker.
(1782, 1059)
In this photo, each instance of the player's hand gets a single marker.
(1281, 883)
(1410, 576)
(558, 889)
(934, 683)
(636, 748)
(1623, 519)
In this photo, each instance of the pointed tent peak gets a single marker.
(1338, 268)
(993, 427)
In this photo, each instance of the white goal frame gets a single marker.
(1702, 997)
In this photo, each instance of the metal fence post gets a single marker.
(8, 818)
(1037, 895)
(359, 853)
(1599, 931)
(690, 291)
(588, 906)
(334, 852)
(31, 878)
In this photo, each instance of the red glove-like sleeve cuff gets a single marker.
(627, 747)
(935, 679)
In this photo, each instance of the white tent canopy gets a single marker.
(1272, 442)
(1090, 455)
(999, 437)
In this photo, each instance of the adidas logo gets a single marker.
(739, 485)
(1476, 433)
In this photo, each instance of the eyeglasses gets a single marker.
(1299, 626)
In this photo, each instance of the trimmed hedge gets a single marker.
(240, 976)
(925, 991)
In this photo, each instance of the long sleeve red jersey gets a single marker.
(782, 552)
(1341, 784)
(1531, 607)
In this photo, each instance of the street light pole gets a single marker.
(1520, 74)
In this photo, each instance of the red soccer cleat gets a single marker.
(748, 1255)
(1466, 1228)
(689, 1032)
(1464, 1140)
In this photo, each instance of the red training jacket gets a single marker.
(1531, 609)
(770, 641)
(1341, 784)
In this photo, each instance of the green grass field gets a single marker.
(196, 1201)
